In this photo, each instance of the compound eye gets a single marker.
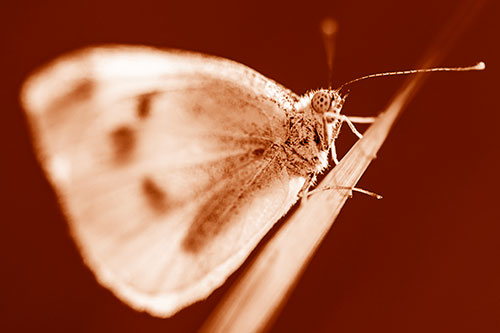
(321, 101)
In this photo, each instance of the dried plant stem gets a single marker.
(261, 290)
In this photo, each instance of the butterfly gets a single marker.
(171, 166)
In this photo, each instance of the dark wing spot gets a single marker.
(258, 152)
(123, 140)
(83, 90)
(155, 196)
(144, 105)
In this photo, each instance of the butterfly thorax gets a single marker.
(306, 145)
(312, 131)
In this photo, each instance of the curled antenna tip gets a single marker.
(480, 66)
(329, 26)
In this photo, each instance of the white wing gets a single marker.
(165, 163)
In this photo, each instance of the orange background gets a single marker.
(424, 259)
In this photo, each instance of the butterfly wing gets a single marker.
(166, 163)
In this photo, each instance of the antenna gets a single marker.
(477, 67)
(329, 29)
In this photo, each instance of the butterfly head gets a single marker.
(327, 101)
(324, 107)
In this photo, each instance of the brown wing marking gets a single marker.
(155, 196)
(144, 105)
(215, 215)
(123, 140)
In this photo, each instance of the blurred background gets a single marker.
(426, 258)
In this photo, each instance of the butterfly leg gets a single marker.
(304, 191)
(362, 120)
(351, 126)
(351, 120)
(334, 153)
(359, 120)
(351, 189)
